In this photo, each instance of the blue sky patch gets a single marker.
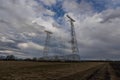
(57, 8)
(98, 5)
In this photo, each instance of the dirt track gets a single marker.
(106, 71)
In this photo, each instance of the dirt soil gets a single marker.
(24, 70)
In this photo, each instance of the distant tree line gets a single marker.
(14, 58)
(54, 58)
(8, 57)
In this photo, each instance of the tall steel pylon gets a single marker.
(47, 41)
(74, 45)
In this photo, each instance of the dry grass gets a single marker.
(13, 70)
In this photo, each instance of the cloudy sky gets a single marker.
(22, 25)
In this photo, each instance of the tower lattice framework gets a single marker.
(74, 44)
(47, 41)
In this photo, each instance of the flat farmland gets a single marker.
(28, 70)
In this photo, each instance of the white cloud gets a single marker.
(30, 45)
(10, 52)
(110, 14)
(18, 15)
(48, 2)
(71, 6)
(4, 39)
(49, 12)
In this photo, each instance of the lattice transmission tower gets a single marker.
(73, 41)
(47, 41)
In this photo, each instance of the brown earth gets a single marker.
(23, 70)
